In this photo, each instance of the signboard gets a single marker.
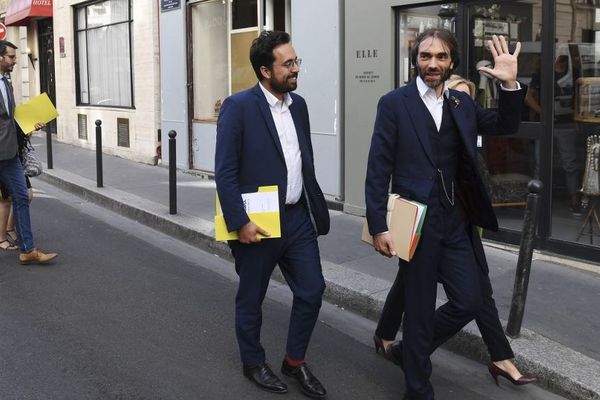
(168, 5)
(2, 31)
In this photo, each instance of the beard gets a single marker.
(444, 75)
(284, 86)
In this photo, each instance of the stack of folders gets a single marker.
(404, 220)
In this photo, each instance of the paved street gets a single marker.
(129, 313)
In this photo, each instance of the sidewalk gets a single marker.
(559, 342)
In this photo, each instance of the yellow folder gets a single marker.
(38, 109)
(405, 220)
(262, 209)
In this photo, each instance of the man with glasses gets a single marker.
(11, 168)
(263, 139)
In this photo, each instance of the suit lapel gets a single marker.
(263, 105)
(299, 129)
(418, 113)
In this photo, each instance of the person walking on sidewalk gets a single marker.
(425, 139)
(487, 318)
(263, 138)
(11, 168)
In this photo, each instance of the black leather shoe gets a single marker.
(265, 379)
(395, 353)
(309, 384)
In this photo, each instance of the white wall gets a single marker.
(316, 36)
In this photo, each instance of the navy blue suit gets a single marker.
(407, 148)
(249, 155)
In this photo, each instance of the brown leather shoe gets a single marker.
(36, 256)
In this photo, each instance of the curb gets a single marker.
(558, 368)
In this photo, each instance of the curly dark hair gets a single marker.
(261, 51)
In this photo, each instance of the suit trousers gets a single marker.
(444, 254)
(13, 177)
(297, 254)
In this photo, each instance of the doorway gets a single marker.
(46, 63)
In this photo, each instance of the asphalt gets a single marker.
(559, 340)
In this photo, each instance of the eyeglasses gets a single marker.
(290, 64)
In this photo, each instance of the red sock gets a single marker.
(292, 362)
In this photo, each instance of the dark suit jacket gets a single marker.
(8, 133)
(249, 154)
(401, 149)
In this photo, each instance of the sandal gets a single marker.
(11, 236)
(5, 245)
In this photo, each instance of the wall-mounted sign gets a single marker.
(369, 53)
(168, 5)
(2, 31)
(367, 77)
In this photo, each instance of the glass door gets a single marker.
(507, 163)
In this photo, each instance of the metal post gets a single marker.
(99, 182)
(49, 160)
(517, 307)
(172, 173)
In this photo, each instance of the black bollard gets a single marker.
(99, 182)
(172, 173)
(49, 160)
(517, 307)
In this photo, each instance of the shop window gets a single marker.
(222, 33)
(103, 53)
(576, 127)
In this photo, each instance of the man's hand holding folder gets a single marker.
(404, 221)
(384, 244)
(249, 233)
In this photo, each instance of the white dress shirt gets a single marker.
(434, 104)
(4, 90)
(286, 130)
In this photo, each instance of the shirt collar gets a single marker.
(425, 90)
(272, 100)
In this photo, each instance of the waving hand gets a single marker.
(505, 64)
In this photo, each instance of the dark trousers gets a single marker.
(445, 254)
(487, 319)
(297, 254)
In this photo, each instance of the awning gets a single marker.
(19, 12)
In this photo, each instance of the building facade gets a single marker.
(107, 68)
(213, 37)
(29, 27)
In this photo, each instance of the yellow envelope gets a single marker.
(38, 109)
(263, 210)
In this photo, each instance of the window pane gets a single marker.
(81, 18)
(414, 21)
(507, 163)
(107, 12)
(109, 66)
(244, 14)
(84, 95)
(242, 73)
(211, 75)
(576, 115)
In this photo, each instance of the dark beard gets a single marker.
(435, 84)
(284, 87)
